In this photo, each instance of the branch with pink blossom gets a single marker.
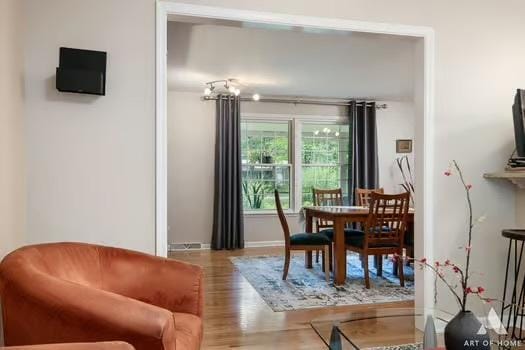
(463, 274)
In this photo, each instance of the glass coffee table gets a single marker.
(384, 329)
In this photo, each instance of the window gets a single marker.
(266, 164)
(267, 148)
(324, 157)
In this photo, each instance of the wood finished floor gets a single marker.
(235, 316)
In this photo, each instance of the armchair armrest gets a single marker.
(170, 284)
(53, 310)
(116, 345)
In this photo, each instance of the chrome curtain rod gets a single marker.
(304, 101)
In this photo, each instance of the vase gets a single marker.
(463, 332)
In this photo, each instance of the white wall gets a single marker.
(12, 154)
(91, 159)
(397, 122)
(191, 144)
(478, 58)
(291, 61)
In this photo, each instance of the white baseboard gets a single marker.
(257, 244)
(207, 246)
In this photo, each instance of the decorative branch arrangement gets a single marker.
(403, 163)
(462, 274)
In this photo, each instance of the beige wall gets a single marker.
(12, 155)
(191, 144)
(91, 159)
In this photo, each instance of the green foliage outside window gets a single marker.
(267, 161)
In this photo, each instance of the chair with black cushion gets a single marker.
(302, 241)
(384, 230)
(324, 198)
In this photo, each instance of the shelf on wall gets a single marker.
(516, 177)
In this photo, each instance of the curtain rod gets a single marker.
(300, 101)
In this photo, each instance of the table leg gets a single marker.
(309, 229)
(339, 252)
(410, 233)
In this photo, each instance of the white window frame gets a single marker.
(295, 146)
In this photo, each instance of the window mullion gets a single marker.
(297, 164)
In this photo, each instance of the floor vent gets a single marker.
(185, 246)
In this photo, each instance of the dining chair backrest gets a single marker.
(363, 195)
(323, 198)
(387, 218)
(282, 218)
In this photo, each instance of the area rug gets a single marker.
(307, 288)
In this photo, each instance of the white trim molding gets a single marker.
(424, 133)
(161, 129)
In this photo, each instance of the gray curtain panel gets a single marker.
(228, 228)
(364, 169)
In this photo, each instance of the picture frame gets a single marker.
(404, 146)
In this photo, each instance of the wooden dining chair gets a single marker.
(362, 195)
(323, 198)
(307, 242)
(383, 232)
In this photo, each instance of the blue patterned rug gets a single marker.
(307, 288)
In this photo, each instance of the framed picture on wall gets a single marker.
(403, 146)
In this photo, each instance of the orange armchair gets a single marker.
(75, 346)
(75, 292)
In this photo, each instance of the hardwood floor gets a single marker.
(235, 316)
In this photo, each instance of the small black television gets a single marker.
(81, 71)
(518, 110)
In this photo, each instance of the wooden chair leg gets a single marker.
(379, 259)
(331, 257)
(286, 264)
(401, 273)
(410, 254)
(365, 268)
(317, 257)
(326, 260)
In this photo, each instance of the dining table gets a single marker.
(340, 216)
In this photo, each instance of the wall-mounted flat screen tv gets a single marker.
(518, 110)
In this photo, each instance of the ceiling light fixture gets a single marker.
(230, 86)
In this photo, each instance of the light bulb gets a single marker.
(231, 89)
(237, 92)
(316, 132)
(328, 130)
(337, 133)
(207, 91)
(256, 97)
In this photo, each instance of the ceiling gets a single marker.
(290, 61)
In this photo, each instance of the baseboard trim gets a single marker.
(257, 244)
(207, 246)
